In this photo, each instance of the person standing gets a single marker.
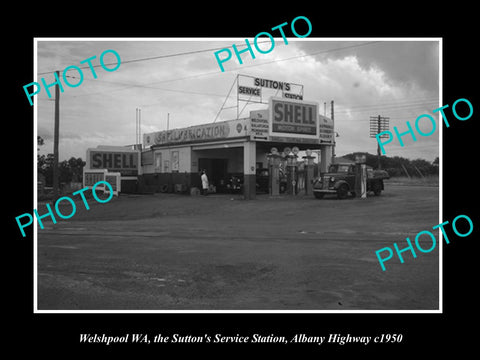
(204, 183)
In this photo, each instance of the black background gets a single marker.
(57, 335)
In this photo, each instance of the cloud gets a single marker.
(395, 79)
(365, 83)
(401, 61)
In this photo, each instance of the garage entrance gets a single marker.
(220, 162)
(217, 169)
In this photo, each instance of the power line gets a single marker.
(269, 62)
(391, 108)
(366, 119)
(143, 86)
(236, 69)
(399, 102)
(155, 57)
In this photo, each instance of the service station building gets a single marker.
(271, 140)
(172, 160)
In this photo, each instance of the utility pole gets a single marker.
(333, 120)
(138, 128)
(55, 138)
(379, 153)
(379, 124)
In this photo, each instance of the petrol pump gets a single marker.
(309, 171)
(361, 175)
(274, 160)
(291, 157)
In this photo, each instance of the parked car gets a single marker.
(340, 179)
(232, 183)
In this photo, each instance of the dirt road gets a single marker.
(174, 252)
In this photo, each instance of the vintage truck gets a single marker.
(340, 179)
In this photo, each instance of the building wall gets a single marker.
(175, 159)
(168, 170)
(177, 168)
(171, 168)
(233, 155)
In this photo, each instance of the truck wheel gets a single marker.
(318, 195)
(342, 191)
(377, 189)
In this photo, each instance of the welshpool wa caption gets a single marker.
(339, 339)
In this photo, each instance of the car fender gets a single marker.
(339, 183)
(316, 180)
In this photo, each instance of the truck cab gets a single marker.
(341, 178)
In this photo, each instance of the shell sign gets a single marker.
(126, 162)
(291, 118)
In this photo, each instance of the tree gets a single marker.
(395, 165)
(69, 170)
(76, 167)
(45, 167)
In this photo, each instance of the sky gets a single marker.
(180, 79)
